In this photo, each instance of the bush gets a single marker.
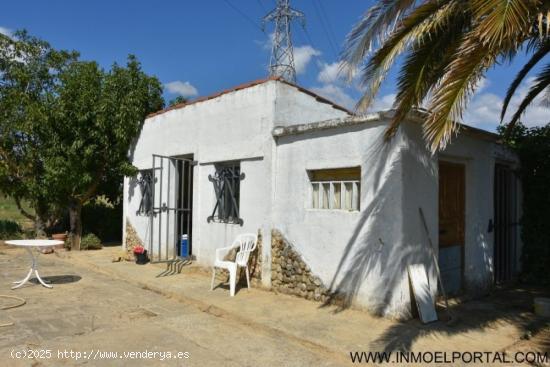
(103, 219)
(90, 242)
(10, 230)
(533, 148)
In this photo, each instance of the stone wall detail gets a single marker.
(132, 240)
(290, 274)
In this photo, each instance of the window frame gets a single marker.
(227, 177)
(146, 186)
(318, 187)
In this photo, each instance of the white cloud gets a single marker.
(484, 109)
(382, 103)
(335, 72)
(329, 73)
(302, 57)
(6, 31)
(336, 94)
(482, 85)
(184, 89)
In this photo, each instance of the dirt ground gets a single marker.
(99, 313)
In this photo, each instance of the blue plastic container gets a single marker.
(184, 246)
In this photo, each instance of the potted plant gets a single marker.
(59, 237)
(141, 255)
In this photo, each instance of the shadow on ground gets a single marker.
(58, 279)
(511, 306)
(173, 268)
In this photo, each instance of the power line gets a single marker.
(325, 29)
(262, 5)
(325, 14)
(310, 41)
(246, 17)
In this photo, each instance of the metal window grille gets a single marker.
(226, 181)
(145, 183)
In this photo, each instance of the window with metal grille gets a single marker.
(145, 182)
(227, 188)
(338, 189)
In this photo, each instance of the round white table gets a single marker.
(29, 245)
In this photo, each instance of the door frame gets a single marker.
(162, 208)
(511, 233)
(464, 164)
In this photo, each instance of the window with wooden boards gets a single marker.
(336, 188)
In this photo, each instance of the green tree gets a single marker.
(95, 118)
(533, 148)
(447, 46)
(29, 70)
(177, 100)
(68, 126)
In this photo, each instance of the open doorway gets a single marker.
(451, 224)
(184, 219)
(171, 218)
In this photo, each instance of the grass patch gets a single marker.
(10, 213)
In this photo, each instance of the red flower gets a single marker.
(139, 250)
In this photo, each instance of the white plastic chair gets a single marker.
(246, 244)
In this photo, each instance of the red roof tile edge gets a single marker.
(248, 85)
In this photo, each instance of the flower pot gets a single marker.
(142, 259)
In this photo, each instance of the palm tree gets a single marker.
(447, 47)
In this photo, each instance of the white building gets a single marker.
(270, 155)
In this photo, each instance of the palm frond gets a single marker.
(373, 29)
(423, 67)
(546, 98)
(542, 51)
(503, 22)
(540, 84)
(421, 23)
(453, 90)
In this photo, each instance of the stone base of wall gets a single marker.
(132, 240)
(291, 275)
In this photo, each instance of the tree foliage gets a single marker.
(177, 100)
(533, 147)
(447, 46)
(29, 70)
(68, 125)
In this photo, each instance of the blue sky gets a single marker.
(199, 47)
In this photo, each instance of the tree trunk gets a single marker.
(40, 227)
(75, 214)
(40, 221)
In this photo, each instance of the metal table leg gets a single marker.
(33, 269)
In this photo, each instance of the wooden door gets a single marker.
(451, 224)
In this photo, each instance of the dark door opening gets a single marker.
(451, 224)
(185, 203)
(505, 224)
(171, 214)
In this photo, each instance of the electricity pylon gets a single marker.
(281, 63)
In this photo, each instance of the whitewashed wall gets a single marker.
(233, 126)
(359, 253)
(365, 254)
